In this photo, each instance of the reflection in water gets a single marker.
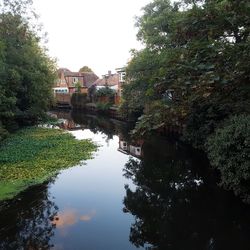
(26, 220)
(175, 202)
(177, 205)
(69, 217)
(33, 220)
(133, 148)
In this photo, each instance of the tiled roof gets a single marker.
(89, 78)
(73, 74)
(63, 70)
(110, 80)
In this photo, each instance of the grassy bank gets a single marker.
(32, 155)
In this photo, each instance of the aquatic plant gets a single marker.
(32, 155)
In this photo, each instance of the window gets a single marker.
(75, 79)
(122, 76)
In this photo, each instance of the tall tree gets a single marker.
(199, 52)
(26, 72)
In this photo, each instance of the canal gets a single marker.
(150, 193)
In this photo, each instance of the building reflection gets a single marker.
(96, 124)
(110, 127)
(133, 148)
(177, 204)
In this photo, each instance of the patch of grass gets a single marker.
(32, 155)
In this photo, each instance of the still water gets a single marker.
(151, 193)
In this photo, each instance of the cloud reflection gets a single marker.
(88, 217)
(70, 217)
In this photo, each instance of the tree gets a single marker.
(198, 51)
(194, 51)
(26, 72)
(85, 69)
(228, 150)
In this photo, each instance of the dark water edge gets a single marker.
(153, 193)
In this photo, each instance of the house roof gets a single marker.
(63, 69)
(89, 78)
(110, 80)
(72, 74)
(61, 72)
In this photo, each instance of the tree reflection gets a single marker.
(25, 222)
(177, 205)
(101, 124)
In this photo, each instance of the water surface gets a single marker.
(152, 193)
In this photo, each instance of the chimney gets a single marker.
(109, 72)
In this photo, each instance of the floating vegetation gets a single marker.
(33, 155)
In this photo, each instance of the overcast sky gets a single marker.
(96, 33)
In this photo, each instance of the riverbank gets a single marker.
(33, 155)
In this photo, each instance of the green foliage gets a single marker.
(3, 133)
(199, 52)
(207, 113)
(78, 87)
(229, 151)
(103, 106)
(108, 92)
(152, 119)
(49, 119)
(32, 155)
(26, 72)
(195, 51)
(85, 69)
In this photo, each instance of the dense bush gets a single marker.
(105, 92)
(229, 151)
(207, 113)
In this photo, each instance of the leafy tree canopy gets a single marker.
(85, 69)
(194, 71)
(196, 50)
(26, 72)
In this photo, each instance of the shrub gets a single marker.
(103, 106)
(105, 92)
(229, 151)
